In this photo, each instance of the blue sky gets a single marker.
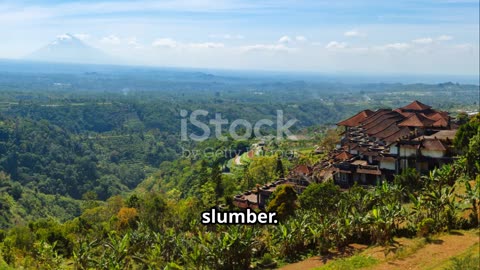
(424, 37)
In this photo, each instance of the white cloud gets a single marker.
(332, 45)
(133, 42)
(354, 33)
(205, 45)
(173, 44)
(396, 46)
(423, 40)
(165, 42)
(300, 38)
(285, 39)
(111, 39)
(82, 37)
(444, 38)
(64, 37)
(267, 47)
(227, 36)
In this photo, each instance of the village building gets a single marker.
(375, 146)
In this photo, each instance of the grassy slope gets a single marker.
(443, 252)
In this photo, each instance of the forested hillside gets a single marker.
(93, 171)
(160, 229)
(103, 130)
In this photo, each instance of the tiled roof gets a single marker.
(443, 135)
(383, 124)
(434, 145)
(406, 114)
(437, 116)
(440, 123)
(378, 113)
(371, 123)
(304, 169)
(386, 132)
(356, 119)
(343, 156)
(416, 120)
(360, 162)
(415, 106)
(403, 131)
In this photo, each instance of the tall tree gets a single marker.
(283, 201)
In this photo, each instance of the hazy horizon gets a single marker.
(32, 66)
(374, 37)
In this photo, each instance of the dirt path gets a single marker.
(309, 263)
(433, 255)
(318, 261)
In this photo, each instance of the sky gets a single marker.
(392, 37)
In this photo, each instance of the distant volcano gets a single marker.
(69, 49)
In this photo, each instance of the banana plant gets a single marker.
(116, 252)
(84, 254)
(472, 197)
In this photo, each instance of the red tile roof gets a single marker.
(360, 162)
(403, 131)
(356, 119)
(417, 120)
(434, 145)
(437, 116)
(375, 116)
(415, 106)
(441, 123)
(304, 169)
(343, 156)
(373, 122)
(383, 123)
(406, 114)
(443, 135)
(386, 132)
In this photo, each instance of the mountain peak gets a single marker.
(67, 40)
(66, 36)
(68, 48)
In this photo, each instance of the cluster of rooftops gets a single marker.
(376, 145)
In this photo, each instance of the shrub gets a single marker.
(425, 227)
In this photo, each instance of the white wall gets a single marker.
(393, 149)
(387, 164)
(406, 152)
(433, 153)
